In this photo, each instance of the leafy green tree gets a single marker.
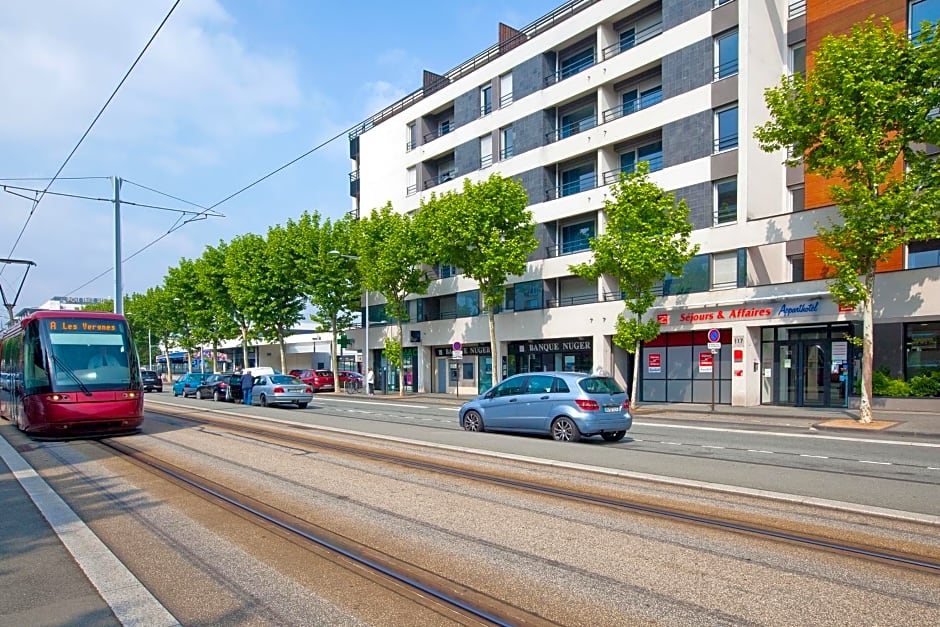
(184, 308)
(328, 279)
(283, 301)
(244, 280)
(862, 115)
(391, 251)
(219, 314)
(486, 231)
(646, 238)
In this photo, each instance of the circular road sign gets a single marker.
(457, 346)
(714, 335)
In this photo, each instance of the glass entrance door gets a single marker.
(803, 367)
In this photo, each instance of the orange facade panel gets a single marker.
(815, 268)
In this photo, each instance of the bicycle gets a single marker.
(352, 387)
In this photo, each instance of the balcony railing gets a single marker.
(571, 128)
(612, 176)
(442, 130)
(583, 184)
(570, 71)
(633, 106)
(568, 301)
(486, 161)
(569, 248)
(726, 142)
(796, 9)
(411, 190)
(726, 69)
(505, 100)
(442, 177)
(505, 153)
(639, 37)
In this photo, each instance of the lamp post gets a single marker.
(365, 350)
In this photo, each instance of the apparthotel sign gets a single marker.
(782, 310)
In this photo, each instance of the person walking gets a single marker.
(370, 379)
(247, 382)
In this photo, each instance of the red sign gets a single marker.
(738, 354)
(654, 362)
(705, 362)
(662, 318)
(846, 308)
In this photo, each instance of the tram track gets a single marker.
(925, 557)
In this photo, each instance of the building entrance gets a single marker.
(810, 366)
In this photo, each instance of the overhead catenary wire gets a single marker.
(213, 214)
(88, 130)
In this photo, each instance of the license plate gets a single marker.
(296, 390)
(611, 409)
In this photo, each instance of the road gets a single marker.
(887, 472)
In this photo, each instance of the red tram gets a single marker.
(70, 373)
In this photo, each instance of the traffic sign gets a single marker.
(457, 346)
(714, 346)
(457, 354)
(714, 335)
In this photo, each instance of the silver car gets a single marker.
(280, 389)
(565, 405)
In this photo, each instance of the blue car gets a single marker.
(565, 405)
(186, 385)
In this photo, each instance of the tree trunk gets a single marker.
(494, 348)
(334, 358)
(244, 348)
(283, 345)
(166, 355)
(635, 384)
(401, 360)
(864, 408)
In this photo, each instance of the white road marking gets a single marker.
(709, 446)
(814, 456)
(787, 435)
(865, 461)
(751, 450)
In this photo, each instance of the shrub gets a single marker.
(883, 385)
(925, 385)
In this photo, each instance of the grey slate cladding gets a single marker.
(536, 182)
(530, 132)
(545, 234)
(688, 139)
(466, 108)
(699, 199)
(688, 68)
(676, 12)
(529, 77)
(467, 157)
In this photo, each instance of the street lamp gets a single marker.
(365, 351)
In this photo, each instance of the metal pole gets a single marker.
(149, 350)
(118, 279)
(714, 366)
(365, 352)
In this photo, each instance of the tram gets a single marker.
(70, 373)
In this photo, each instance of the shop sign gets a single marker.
(553, 347)
(705, 362)
(654, 363)
(477, 349)
(783, 310)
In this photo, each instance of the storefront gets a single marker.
(569, 355)
(472, 372)
(680, 368)
(807, 366)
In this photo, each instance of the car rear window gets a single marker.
(283, 378)
(600, 385)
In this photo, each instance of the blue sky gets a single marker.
(228, 91)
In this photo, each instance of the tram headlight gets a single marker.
(130, 395)
(58, 398)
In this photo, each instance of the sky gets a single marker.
(228, 91)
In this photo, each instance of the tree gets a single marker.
(646, 238)
(391, 251)
(485, 230)
(220, 311)
(862, 116)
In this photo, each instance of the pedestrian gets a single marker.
(370, 379)
(247, 382)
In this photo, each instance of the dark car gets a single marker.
(565, 405)
(319, 380)
(215, 387)
(152, 381)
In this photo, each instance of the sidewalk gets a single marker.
(819, 418)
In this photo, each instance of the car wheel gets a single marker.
(175, 394)
(216, 396)
(565, 430)
(263, 400)
(473, 421)
(614, 436)
(301, 406)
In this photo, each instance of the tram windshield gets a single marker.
(88, 355)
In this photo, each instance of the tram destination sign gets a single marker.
(78, 325)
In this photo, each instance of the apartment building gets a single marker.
(567, 103)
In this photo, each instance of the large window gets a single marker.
(726, 54)
(528, 295)
(574, 122)
(922, 347)
(576, 237)
(652, 153)
(577, 62)
(725, 270)
(924, 254)
(923, 11)
(468, 304)
(726, 128)
(578, 179)
(695, 277)
(726, 200)
(635, 99)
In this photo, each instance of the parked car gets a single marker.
(187, 383)
(280, 389)
(152, 381)
(215, 387)
(319, 380)
(234, 390)
(565, 405)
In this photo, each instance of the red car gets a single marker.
(319, 380)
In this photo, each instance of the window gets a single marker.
(510, 297)
(925, 254)
(446, 271)
(797, 273)
(506, 138)
(726, 128)
(527, 295)
(577, 62)
(922, 345)
(574, 122)
(486, 151)
(636, 99)
(468, 304)
(486, 100)
(694, 278)
(577, 179)
(412, 181)
(411, 137)
(798, 59)
(652, 153)
(446, 170)
(576, 237)
(726, 53)
(443, 127)
(628, 38)
(797, 198)
(923, 11)
(726, 200)
(725, 270)
(505, 90)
